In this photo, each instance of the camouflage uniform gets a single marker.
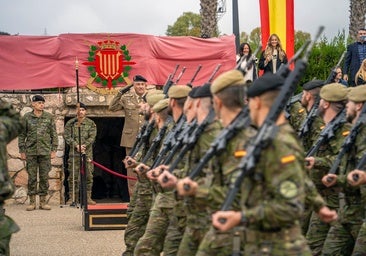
(88, 133)
(10, 126)
(318, 230)
(216, 242)
(297, 115)
(273, 204)
(343, 234)
(198, 220)
(37, 140)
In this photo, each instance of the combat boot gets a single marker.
(32, 203)
(43, 205)
(89, 200)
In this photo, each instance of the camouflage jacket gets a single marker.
(39, 136)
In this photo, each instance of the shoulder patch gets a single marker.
(345, 133)
(288, 159)
(301, 110)
(322, 127)
(240, 153)
(288, 189)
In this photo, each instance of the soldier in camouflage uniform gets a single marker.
(333, 99)
(37, 145)
(343, 234)
(128, 102)
(88, 133)
(195, 208)
(10, 127)
(228, 101)
(142, 198)
(273, 198)
(297, 114)
(152, 242)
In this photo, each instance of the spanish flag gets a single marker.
(277, 17)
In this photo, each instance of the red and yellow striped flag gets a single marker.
(277, 17)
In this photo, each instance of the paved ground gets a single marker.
(60, 232)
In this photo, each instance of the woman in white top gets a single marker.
(245, 55)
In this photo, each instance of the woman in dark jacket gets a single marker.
(273, 55)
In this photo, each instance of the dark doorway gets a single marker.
(108, 152)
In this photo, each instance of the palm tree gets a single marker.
(356, 17)
(208, 18)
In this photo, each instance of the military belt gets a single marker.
(287, 234)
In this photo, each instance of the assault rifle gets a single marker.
(328, 132)
(308, 121)
(333, 72)
(180, 75)
(360, 166)
(136, 145)
(213, 74)
(194, 76)
(241, 121)
(268, 129)
(143, 137)
(170, 82)
(349, 143)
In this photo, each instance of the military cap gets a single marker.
(139, 78)
(267, 82)
(153, 96)
(193, 92)
(82, 105)
(333, 92)
(313, 84)
(37, 98)
(357, 94)
(160, 105)
(179, 91)
(203, 91)
(226, 79)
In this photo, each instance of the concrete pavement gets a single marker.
(59, 232)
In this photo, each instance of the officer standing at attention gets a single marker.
(272, 198)
(37, 145)
(10, 126)
(129, 102)
(88, 132)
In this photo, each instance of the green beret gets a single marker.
(265, 83)
(333, 92)
(160, 105)
(226, 79)
(153, 96)
(203, 91)
(179, 91)
(357, 94)
(313, 84)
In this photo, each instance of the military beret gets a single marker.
(179, 91)
(333, 92)
(37, 98)
(313, 84)
(265, 83)
(160, 105)
(357, 94)
(203, 91)
(192, 92)
(82, 105)
(226, 79)
(139, 78)
(153, 96)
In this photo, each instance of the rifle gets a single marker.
(269, 129)
(213, 73)
(292, 100)
(194, 75)
(349, 143)
(360, 166)
(136, 145)
(144, 137)
(170, 82)
(328, 132)
(240, 122)
(180, 75)
(333, 72)
(306, 124)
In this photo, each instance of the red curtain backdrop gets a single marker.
(38, 62)
(277, 17)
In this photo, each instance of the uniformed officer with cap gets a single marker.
(37, 145)
(129, 103)
(273, 198)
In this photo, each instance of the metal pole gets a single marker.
(236, 24)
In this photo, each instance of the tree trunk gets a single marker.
(357, 17)
(208, 18)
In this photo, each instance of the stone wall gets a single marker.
(60, 105)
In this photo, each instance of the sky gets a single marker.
(51, 17)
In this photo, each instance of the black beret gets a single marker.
(37, 98)
(139, 78)
(313, 84)
(203, 91)
(82, 105)
(193, 92)
(267, 82)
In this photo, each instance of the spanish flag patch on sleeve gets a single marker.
(345, 133)
(288, 159)
(240, 153)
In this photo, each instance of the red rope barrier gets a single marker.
(112, 172)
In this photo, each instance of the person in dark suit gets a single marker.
(356, 53)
